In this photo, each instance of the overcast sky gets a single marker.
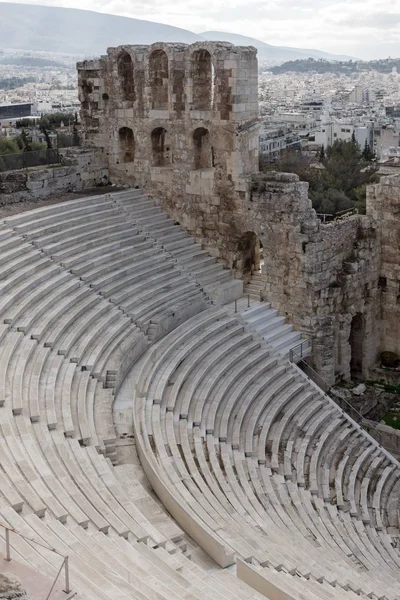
(361, 28)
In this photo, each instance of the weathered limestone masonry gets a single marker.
(324, 277)
(383, 205)
(181, 121)
(81, 169)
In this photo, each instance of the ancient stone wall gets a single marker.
(181, 121)
(383, 205)
(324, 277)
(80, 170)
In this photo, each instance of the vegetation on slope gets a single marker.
(310, 65)
(30, 61)
(338, 182)
(11, 83)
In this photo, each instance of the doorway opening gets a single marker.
(250, 248)
(356, 346)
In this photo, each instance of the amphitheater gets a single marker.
(154, 429)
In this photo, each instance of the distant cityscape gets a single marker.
(298, 110)
(310, 110)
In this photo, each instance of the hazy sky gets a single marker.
(363, 28)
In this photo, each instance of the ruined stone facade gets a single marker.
(181, 121)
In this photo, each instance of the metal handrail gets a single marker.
(297, 351)
(323, 387)
(64, 564)
(236, 300)
(341, 214)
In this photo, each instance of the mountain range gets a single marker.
(269, 52)
(83, 32)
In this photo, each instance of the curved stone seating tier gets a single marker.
(110, 567)
(273, 582)
(250, 457)
(80, 288)
(151, 220)
(246, 449)
(68, 239)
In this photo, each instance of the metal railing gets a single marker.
(323, 386)
(342, 214)
(64, 564)
(236, 301)
(26, 160)
(250, 299)
(300, 351)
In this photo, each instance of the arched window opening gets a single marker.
(127, 145)
(158, 71)
(250, 249)
(356, 346)
(125, 74)
(160, 147)
(202, 80)
(203, 157)
(87, 87)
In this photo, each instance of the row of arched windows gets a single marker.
(201, 72)
(161, 149)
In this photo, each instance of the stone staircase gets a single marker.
(254, 286)
(267, 322)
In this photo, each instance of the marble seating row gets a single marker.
(64, 338)
(251, 450)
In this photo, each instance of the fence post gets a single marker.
(248, 300)
(66, 572)
(8, 553)
(235, 306)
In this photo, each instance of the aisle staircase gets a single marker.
(267, 322)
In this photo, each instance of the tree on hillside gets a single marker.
(24, 141)
(75, 137)
(339, 184)
(45, 132)
(8, 146)
(367, 153)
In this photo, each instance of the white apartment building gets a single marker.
(386, 141)
(329, 132)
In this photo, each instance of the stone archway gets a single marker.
(202, 79)
(249, 248)
(158, 75)
(125, 74)
(127, 145)
(202, 149)
(160, 147)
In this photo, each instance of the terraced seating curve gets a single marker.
(266, 465)
(251, 462)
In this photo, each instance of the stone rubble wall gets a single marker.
(319, 276)
(386, 436)
(383, 206)
(80, 170)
